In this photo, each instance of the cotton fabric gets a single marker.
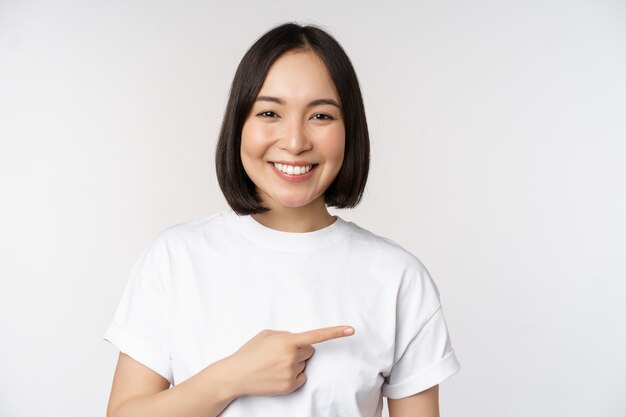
(203, 288)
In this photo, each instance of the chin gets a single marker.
(292, 200)
(293, 203)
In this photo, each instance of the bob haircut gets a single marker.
(347, 188)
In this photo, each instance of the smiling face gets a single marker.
(296, 120)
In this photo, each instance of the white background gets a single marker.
(498, 136)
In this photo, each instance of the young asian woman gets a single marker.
(243, 312)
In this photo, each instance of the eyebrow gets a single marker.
(317, 102)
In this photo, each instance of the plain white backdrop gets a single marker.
(498, 133)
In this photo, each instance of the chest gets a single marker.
(218, 306)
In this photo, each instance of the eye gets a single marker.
(323, 116)
(267, 114)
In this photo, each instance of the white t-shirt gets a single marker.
(203, 288)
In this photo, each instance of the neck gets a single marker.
(303, 219)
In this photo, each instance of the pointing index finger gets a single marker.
(323, 334)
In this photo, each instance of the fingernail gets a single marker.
(349, 330)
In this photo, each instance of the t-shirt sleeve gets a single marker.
(423, 354)
(140, 326)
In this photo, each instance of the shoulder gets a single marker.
(399, 266)
(415, 286)
(385, 250)
(188, 234)
(194, 228)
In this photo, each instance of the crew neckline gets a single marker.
(288, 241)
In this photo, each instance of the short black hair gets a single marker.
(347, 188)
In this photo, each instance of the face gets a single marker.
(296, 121)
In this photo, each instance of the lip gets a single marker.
(293, 178)
(295, 163)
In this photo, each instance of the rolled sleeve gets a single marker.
(427, 361)
(423, 355)
(141, 324)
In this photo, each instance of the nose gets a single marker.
(296, 139)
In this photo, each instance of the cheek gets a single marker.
(253, 140)
(334, 144)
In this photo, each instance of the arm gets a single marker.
(138, 391)
(422, 404)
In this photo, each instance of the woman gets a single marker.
(231, 308)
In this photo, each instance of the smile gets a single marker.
(293, 170)
(289, 172)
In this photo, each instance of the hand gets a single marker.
(273, 362)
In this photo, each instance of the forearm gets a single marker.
(206, 394)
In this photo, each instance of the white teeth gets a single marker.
(291, 170)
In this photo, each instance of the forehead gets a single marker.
(299, 75)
